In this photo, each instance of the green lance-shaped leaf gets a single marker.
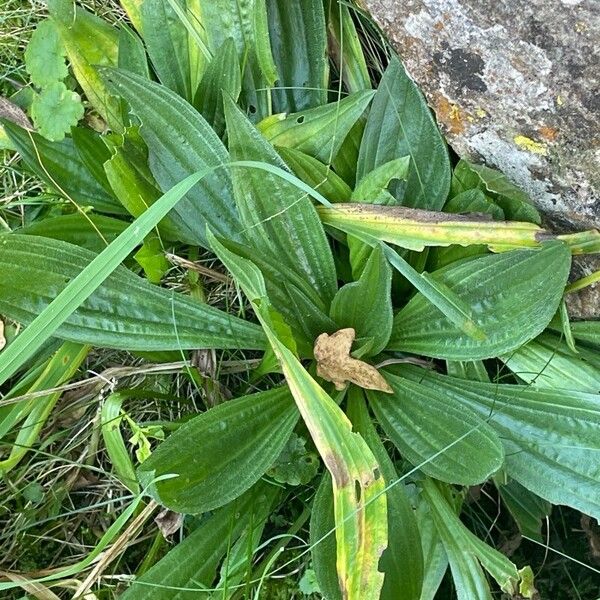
(93, 152)
(438, 294)
(345, 47)
(474, 201)
(59, 165)
(279, 219)
(366, 304)
(90, 43)
(320, 131)
(87, 281)
(299, 47)
(210, 24)
(180, 143)
(125, 312)
(221, 453)
(551, 437)
(133, 184)
(467, 554)
(132, 53)
(323, 546)
(436, 434)
(110, 426)
(400, 124)
(586, 333)
(291, 296)
(435, 560)
(372, 188)
(494, 288)
(168, 44)
(193, 563)
(133, 10)
(90, 231)
(316, 174)
(360, 505)
(527, 509)
(222, 75)
(547, 362)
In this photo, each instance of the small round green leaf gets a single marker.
(55, 110)
(44, 55)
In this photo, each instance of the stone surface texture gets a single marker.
(514, 84)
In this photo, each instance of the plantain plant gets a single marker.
(407, 315)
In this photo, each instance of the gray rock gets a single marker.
(514, 84)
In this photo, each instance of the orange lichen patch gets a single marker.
(449, 114)
(438, 26)
(548, 133)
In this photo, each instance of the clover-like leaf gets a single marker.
(335, 364)
(295, 465)
(55, 110)
(45, 55)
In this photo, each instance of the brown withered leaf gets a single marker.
(168, 522)
(335, 364)
(13, 113)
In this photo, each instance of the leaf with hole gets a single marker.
(90, 231)
(302, 67)
(318, 132)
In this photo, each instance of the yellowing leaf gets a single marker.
(335, 364)
(360, 506)
(415, 229)
(55, 110)
(44, 56)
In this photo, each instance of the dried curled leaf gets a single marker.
(2, 338)
(169, 522)
(335, 364)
